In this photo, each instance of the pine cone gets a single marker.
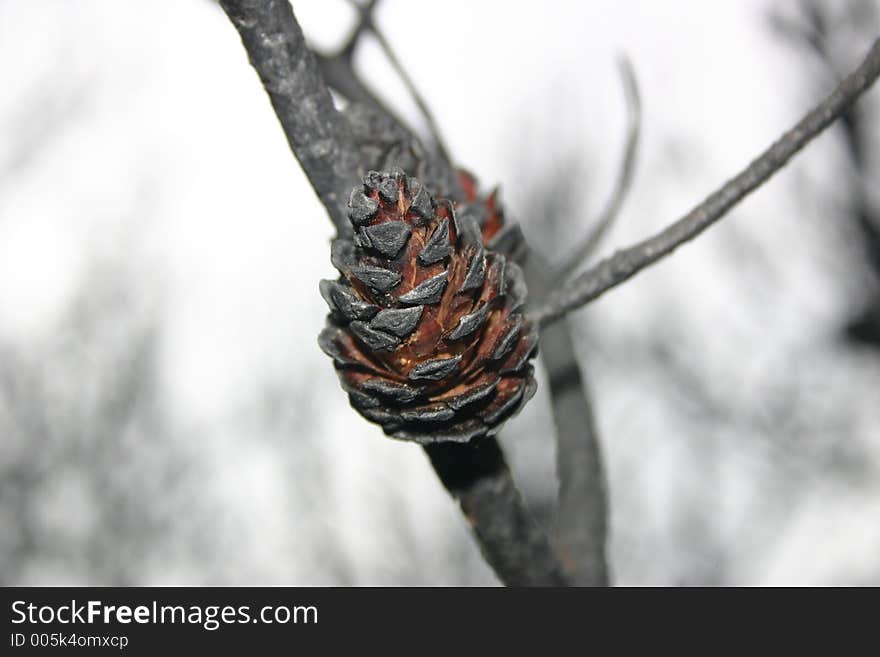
(426, 329)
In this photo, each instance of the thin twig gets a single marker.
(338, 68)
(626, 263)
(364, 24)
(611, 211)
(814, 31)
(317, 133)
(369, 23)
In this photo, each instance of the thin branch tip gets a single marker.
(626, 263)
(611, 211)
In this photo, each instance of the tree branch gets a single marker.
(815, 32)
(510, 539)
(626, 263)
(318, 134)
(581, 530)
(321, 139)
(582, 507)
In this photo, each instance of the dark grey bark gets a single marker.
(581, 523)
(582, 507)
(478, 477)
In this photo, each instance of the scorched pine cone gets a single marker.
(426, 329)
